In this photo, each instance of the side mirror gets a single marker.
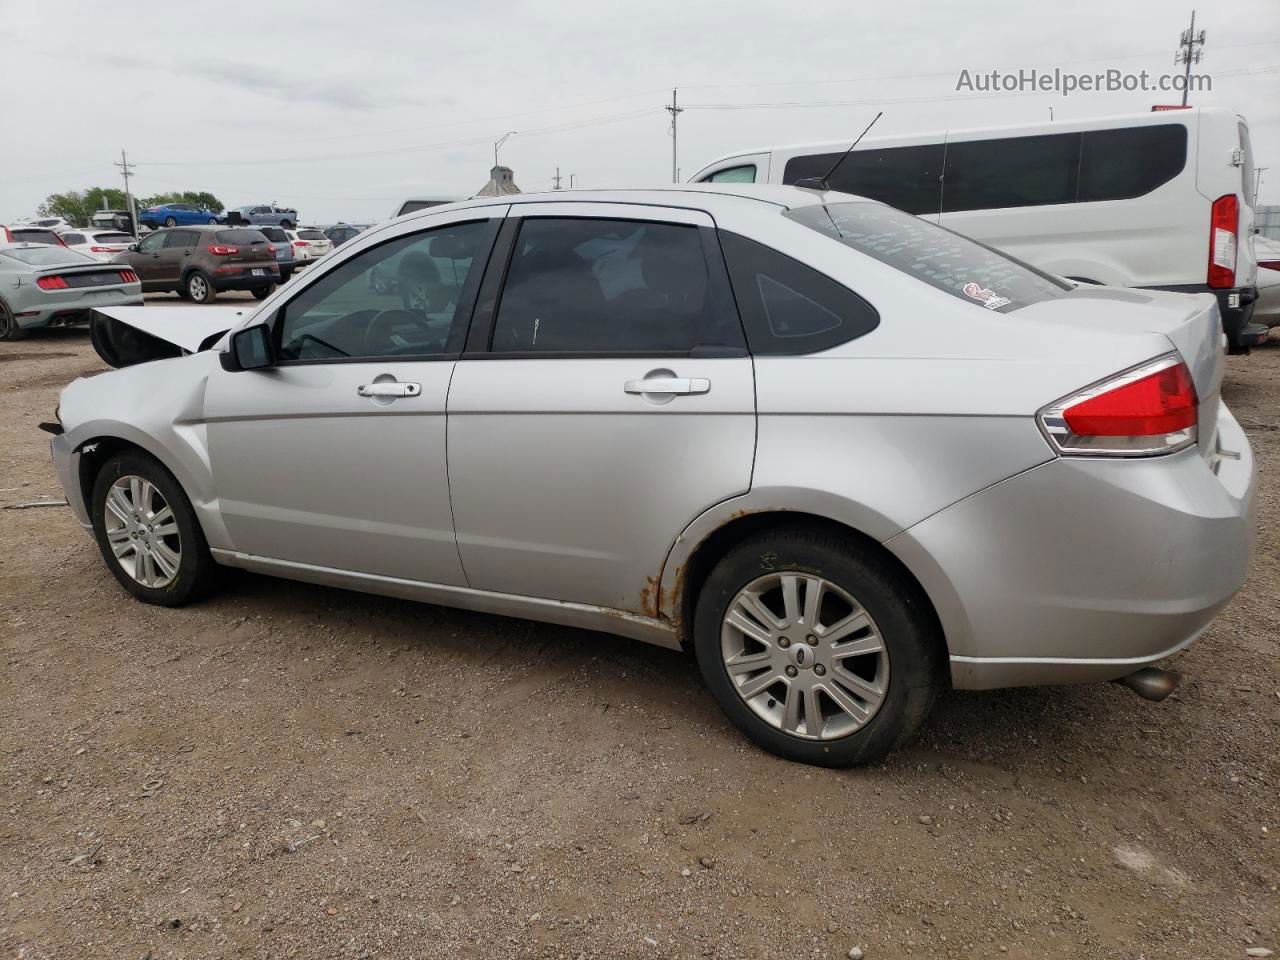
(133, 248)
(250, 349)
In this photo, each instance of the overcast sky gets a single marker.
(343, 109)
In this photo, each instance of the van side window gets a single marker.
(903, 177)
(1126, 163)
(787, 307)
(1011, 172)
(746, 173)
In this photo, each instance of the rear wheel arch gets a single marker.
(692, 575)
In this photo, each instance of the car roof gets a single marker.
(708, 197)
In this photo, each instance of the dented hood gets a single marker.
(124, 336)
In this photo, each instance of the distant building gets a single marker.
(500, 183)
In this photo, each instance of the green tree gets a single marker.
(78, 206)
(200, 197)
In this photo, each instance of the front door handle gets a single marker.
(669, 385)
(389, 388)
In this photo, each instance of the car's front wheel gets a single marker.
(212, 220)
(148, 532)
(818, 648)
(199, 287)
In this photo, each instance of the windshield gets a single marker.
(964, 268)
(44, 256)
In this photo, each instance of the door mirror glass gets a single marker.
(250, 349)
(133, 248)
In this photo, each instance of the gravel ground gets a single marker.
(292, 771)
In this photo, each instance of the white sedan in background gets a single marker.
(309, 244)
(104, 245)
(1266, 310)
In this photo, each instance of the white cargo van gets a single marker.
(1157, 200)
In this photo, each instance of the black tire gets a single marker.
(196, 571)
(211, 221)
(170, 222)
(286, 224)
(199, 287)
(9, 329)
(261, 293)
(908, 631)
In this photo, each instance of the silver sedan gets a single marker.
(840, 455)
(42, 285)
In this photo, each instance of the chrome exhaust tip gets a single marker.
(1151, 683)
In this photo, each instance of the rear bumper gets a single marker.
(1087, 569)
(1235, 305)
(75, 310)
(243, 279)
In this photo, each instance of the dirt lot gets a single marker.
(292, 771)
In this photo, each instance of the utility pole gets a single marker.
(1190, 50)
(499, 142)
(1257, 182)
(572, 179)
(126, 170)
(556, 178)
(675, 110)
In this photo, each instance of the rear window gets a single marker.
(240, 236)
(44, 256)
(273, 233)
(934, 255)
(28, 235)
(113, 238)
(311, 235)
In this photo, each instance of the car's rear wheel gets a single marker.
(817, 648)
(148, 532)
(9, 329)
(170, 222)
(287, 224)
(261, 293)
(199, 287)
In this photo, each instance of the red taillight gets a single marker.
(105, 249)
(271, 248)
(52, 283)
(128, 276)
(1224, 228)
(1147, 410)
(301, 243)
(223, 250)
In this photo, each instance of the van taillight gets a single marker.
(1224, 228)
(1148, 410)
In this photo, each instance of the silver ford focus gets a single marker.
(841, 455)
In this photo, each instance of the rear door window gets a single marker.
(788, 307)
(603, 286)
(1011, 172)
(180, 238)
(934, 255)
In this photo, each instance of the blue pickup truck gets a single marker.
(266, 213)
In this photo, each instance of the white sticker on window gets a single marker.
(988, 297)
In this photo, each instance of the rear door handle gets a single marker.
(669, 385)
(389, 388)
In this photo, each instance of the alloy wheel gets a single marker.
(804, 655)
(142, 531)
(198, 287)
